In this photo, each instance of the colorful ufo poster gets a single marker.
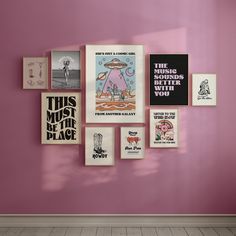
(164, 128)
(114, 78)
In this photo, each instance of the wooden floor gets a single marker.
(93, 231)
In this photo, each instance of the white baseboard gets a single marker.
(74, 220)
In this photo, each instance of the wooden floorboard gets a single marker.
(223, 232)
(208, 232)
(149, 231)
(118, 231)
(104, 231)
(164, 232)
(193, 232)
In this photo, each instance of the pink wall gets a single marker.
(198, 177)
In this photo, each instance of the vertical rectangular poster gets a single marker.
(65, 70)
(132, 142)
(114, 84)
(164, 128)
(60, 118)
(99, 146)
(204, 89)
(168, 79)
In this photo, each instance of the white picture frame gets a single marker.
(60, 118)
(35, 72)
(99, 146)
(132, 141)
(164, 128)
(204, 90)
(115, 84)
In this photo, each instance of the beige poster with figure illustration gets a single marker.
(35, 73)
(164, 128)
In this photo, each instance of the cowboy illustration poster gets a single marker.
(169, 79)
(114, 83)
(164, 128)
(132, 142)
(61, 118)
(99, 146)
(204, 89)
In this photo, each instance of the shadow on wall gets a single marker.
(63, 163)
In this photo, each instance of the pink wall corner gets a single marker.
(198, 177)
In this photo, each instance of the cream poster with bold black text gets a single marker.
(60, 118)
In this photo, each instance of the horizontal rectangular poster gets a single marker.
(164, 128)
(60, 118)
(169, 79)
(115, 84)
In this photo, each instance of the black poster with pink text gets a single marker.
(168, 79)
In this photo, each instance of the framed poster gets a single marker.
(61, 118)
(115, 84)
(65, 70)
(99, 146)
(164, 128)
(169, 79)
(35, 73)
(132, 140)
(204, 89)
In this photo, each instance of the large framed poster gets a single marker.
(35, 73)
(132, 140)
(115, 84)
(204, 89)
(61, 121)
(169, 79)
(164, 128)
(99, 146)
(65, 70)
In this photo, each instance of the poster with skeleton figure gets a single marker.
(132, 142)
(204, 89)
(164, 128)
(114, 84)
(99, 146)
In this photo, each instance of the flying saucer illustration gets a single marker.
(115, 64)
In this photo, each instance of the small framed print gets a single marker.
(65, 70)
(115, 84)
(164, 128)
(99, 146)
(61, 123)
(35, 73)
(132, 142)
(204, 89)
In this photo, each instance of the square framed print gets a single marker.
(132, 140)
(169, 79)
(164, 128)
(35, 73)
(204, 89)
(115, 84)
(60, 121)
(65, 72)
(99, 146)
